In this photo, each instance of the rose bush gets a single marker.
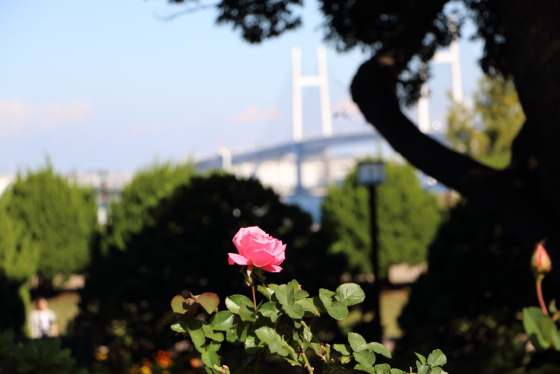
(282, 323)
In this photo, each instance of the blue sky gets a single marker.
(104, 84)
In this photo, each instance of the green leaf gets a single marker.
(308, 306)
(318, 348)
(437, 358)
(552, 306)
(178, 304)
(208, 300)
(319, 304)
(209, 333)
(266, 334)
(302, 333)
(285, 295)
(231, 335)
(337, 310)
(357, 342)
(298, 292)
(539, 327)
(382, 369)
(365, 357)
(276, 345)
(266, 291)
(180, 326)
(294, 311)
(421, 358)
(194, 326)
(253, 344)
(270, 310)
(436, 370)
(247, 313)
(343, 348)
(234, 302)
(210, 358)
(326, 296)
(424, 369)
(398, 371)
(301, 294)
(242, 330)
(364, 368)
(213, 346)
(345, 359)
(379, 348)
(222, 321)
(556, 339)
(349, 294)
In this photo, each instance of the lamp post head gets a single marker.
(371, 173)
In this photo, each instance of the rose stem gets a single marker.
(309, 368)
(254, 294)
(540, 295)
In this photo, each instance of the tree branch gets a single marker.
(373, 90)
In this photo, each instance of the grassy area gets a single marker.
(392, 303)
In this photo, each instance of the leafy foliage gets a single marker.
(59, 218)
(375, 26)
(468, 302)
(43, 356)
(149, 186)
(19, 254)
(541, 329)
(126, 292)
(486, 132)
(408, 218)
(279, 327)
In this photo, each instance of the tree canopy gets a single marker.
(408, 218)
(520, 41)
(486, 131)
(60, 219)
(19, 254)
(148, 187)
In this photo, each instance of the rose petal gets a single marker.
(272, 268)
(238, 259)
(249, 239)
(279, 248)
(262, 258)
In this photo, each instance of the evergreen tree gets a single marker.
(19, 258)
(60, 219)
(408, 218)
(486, 131)
(145, 191)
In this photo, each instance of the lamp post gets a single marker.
(370, 174)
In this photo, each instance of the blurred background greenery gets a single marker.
(171, 228)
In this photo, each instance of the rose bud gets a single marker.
(540, 262)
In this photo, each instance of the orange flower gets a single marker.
(196, 363)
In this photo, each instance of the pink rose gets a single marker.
(257, 248)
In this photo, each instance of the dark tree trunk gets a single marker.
(526, 195)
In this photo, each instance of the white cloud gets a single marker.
(16, 114)
(253, 115)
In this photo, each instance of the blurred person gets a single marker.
(42, 321)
